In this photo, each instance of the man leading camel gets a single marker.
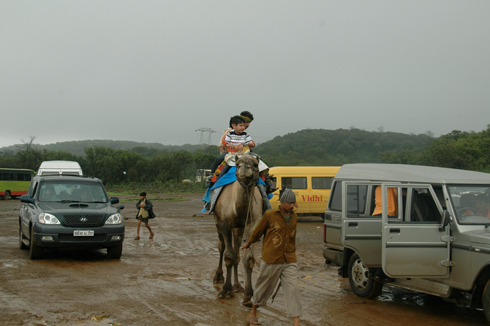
(279, 257)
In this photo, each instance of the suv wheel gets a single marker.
(114, 252)
(22, 245)
(486, 301)
(35, 252)
(360, 282)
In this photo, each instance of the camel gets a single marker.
(236, 211)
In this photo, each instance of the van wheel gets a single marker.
(486, 301)
(360, 282)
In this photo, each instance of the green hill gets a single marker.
(336, 147)
(305, 147)
(77, 147)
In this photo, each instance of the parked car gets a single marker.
(69, 212)
(437, 242)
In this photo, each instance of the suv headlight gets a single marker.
(46, 218)
(114, 219)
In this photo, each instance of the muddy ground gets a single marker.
(168, 281)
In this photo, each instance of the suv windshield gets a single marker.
(72, 192)
(471, 203)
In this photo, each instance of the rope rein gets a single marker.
(250, 190)
(249, 217)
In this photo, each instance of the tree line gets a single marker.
(458, 149)
(139, 165)
(337, 147)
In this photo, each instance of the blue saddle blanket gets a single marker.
(227, 178)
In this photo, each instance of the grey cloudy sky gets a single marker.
(156, 71)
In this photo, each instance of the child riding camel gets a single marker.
(230, 143)
(236, 141)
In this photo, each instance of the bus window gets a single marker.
(321, 182)
(294, 183)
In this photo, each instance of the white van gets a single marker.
(60, 168)
(202, 174)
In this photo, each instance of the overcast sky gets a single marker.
(157, 71)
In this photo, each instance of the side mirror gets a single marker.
(114, 200)
(445, 221)
(27, 199)
(119, 208)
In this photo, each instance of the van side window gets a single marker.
(423, 208)
(335, 201)
(294, 183)
(356, 199)
(321, 182)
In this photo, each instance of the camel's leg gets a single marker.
(229, 257)
(237, 241)
(248, 265)
(218, 277)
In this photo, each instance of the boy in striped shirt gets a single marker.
(237, 139)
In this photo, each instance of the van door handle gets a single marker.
(353, 224)
(394, 230)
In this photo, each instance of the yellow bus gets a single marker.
(310, 184)
(14, 182)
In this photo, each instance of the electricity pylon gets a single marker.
(205, 140)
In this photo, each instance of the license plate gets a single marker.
(79, 233)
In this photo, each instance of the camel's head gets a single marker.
(247, 170)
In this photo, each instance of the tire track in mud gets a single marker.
(10, 268)
(170, 291)
(138, 299)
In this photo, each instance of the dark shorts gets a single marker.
(143, 219)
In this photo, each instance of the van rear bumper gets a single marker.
(333, 256)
